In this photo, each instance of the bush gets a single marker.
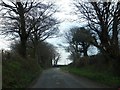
(18, 72)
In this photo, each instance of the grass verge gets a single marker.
(19, 72)
(104, 77)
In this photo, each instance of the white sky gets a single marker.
(69, 18)
(66, 16)
(4, 44)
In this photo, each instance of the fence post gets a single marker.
(1, 54)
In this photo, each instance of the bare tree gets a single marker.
(27, 19)
(56, 58)
(43, 25)
(73, 47)
(103, 19)
(14, 20)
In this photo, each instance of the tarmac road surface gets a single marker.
(55, 78)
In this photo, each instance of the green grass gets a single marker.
(90, 72)
(19, 72)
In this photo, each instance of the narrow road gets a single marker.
(55, 78)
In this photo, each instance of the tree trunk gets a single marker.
(23, 34)
(115, 44)
(85, 53)
(37, 55)
(22, 49)
(85, 47)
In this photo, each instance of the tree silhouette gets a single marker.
(103, 19)
(79, 40)
(27, 19)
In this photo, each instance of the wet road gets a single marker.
(55, 78)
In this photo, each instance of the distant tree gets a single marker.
(73, 47)
(46, 53)
(79, 40)
(56, 58)
(83, 38)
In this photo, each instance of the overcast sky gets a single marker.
(68, 19)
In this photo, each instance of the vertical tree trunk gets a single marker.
(22, 49)
(85, 52)
(37, 51)
(115, 44)
(37, 57)
(85, 47)
(23, 33)
(2, 55)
